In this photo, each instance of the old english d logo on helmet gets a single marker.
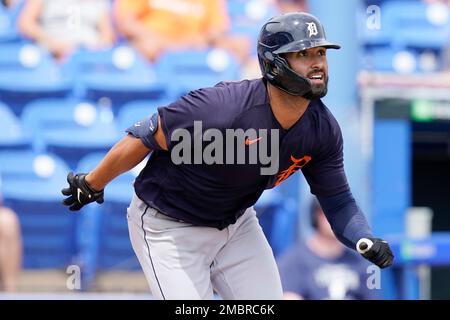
(312, 28)
(290, 32)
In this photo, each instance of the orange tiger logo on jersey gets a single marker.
(297, 165)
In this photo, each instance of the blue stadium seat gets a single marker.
(132, 112)
(391, 60)
(8, 17)
(119, 75)
(70, 128)
(430, 38)
(247, 17)
(31, 185)
(73, 144)
(21, 56)
(12, 136)
(49, 114)
(103, 239)
(410, 26)
(406, 26)
(379, 59)
(188, 70)
(28, 73)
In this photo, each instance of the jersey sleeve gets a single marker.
(325, 174)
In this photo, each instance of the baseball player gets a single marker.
(191, 223)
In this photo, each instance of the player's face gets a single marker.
(312, 64)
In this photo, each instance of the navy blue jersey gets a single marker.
(216, 195)
(315, 278)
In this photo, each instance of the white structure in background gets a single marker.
(419, 226)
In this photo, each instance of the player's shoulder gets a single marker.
(324, 112)
(239, 85)
(235, 96)
(327, 122)
(246, 92)
(218, 106)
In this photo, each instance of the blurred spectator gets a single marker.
(9, 3)
(10, 250)
(322, 268)
(64, 25)
(292, 5)
(155, 26)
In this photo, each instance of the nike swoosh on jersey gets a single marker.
(250, 142)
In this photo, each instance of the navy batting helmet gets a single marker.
(290, 32)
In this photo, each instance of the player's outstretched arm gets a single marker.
(351, 228)
(126, 154)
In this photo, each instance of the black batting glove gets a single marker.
(79, 192)
(376, 251)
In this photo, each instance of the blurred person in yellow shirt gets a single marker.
(156, 26)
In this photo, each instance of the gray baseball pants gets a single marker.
(183, 261)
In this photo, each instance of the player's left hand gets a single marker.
(376, 251)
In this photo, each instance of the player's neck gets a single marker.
(288, 109)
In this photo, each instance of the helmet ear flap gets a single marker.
(279, 64)
(269, 56)
(283, 77)
(271, 65)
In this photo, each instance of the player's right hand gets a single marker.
(376, 251)
(79, 192)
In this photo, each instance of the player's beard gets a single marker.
(318, 90)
